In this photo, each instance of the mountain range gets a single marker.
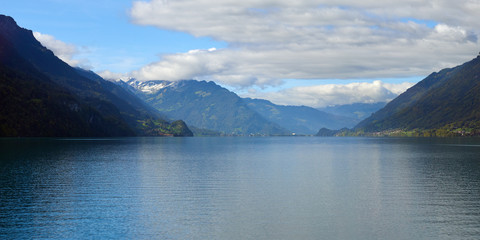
(358, 111)
(43, 96)
(206, 105)
(299, 119)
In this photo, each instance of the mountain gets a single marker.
(33, 105)
(357, 111)
(444, 102)
(42, 93)
(299, 119)
(204, 105)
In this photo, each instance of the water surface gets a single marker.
(240, 188)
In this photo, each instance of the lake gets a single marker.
(240, 188)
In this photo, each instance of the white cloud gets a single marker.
(66, 52)
(181, 66)
(273, 40)
(334, 94)
(229, 67)
(108, 75)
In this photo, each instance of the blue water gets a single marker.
(240, 188)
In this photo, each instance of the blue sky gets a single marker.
(304, 52)
(103, 29)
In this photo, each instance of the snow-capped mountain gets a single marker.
(149, 87)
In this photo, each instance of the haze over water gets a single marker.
(240, 188)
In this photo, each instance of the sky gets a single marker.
(314, 53)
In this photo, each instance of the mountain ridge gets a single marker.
(202, 95)
(444, 103)
(204, 105)
(33, 105)
(301, 120)
(358, 111)
(114, 107)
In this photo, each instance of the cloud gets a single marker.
(229, 67)
(269, 41)
(66, 52)
(108, 75)
(334, 94)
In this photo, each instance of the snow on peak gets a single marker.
(149, 87)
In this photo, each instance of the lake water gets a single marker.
(240, 188)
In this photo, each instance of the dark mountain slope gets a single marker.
(298, 119)
(449, 97)
(33, 105)
(109, 100)
(40, 57)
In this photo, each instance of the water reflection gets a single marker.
(240, 188)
